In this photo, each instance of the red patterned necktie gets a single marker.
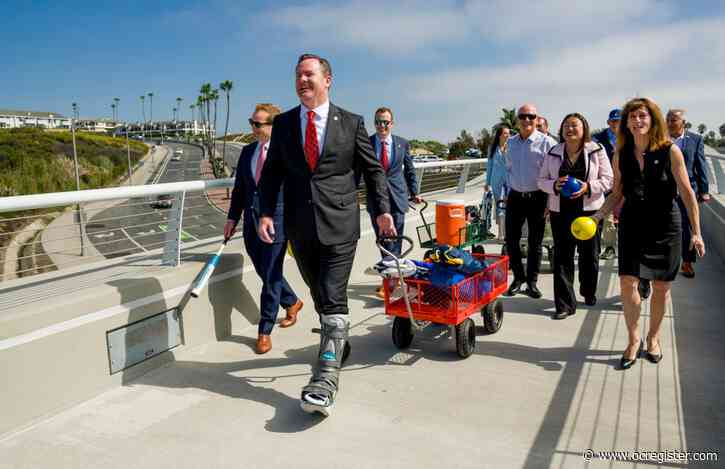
(260, 165)
(312, 149)
(384, 155)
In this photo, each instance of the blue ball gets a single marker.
(571, 186)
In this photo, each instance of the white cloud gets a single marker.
(678, 65)
(381, 26)
(551, 21)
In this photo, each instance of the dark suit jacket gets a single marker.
(402, 183)
(322, 205)
(602, 138)
(693, 150)
(245, 196)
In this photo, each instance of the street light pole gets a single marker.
(128, 149)
(78, 182)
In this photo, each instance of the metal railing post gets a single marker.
(172, 247)
(419, 176)
(462, 179)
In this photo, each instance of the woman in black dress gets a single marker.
(648, 173)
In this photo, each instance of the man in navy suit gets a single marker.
(693, 149)
(393, 152)
(267, 258)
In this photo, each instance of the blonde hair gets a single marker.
(657, 132)
(269, 108)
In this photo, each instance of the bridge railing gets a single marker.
(46, 232)
(716, 163)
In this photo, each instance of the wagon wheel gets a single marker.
(402, 332)
(492, 316)
(465, 338)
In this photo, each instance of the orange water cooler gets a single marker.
(450, 222)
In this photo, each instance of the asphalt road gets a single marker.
(135, 226)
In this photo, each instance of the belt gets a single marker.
(526, 195)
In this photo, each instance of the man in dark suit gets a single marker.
(315, 150)
(393, 152)
(693, 149)
(267, 259)
(608, 139)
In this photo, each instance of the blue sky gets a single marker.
(441, 65)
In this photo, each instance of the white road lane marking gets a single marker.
(133, 240)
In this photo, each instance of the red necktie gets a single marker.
(312, 149)
(384, 155)
(260, 165)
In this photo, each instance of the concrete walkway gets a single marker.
(538, 393)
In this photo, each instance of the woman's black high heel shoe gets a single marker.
(652, 358)
(626, 363)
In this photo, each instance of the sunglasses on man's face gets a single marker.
(258, 125)
(380, 123)
(527, 117)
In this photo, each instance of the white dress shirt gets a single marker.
(255, 156)
(321, 113)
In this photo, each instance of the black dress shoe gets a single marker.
(533, 291)
(644, 288)
(627, 363)
(514, 288)
(561, 315)
(590, 300)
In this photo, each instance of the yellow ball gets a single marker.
(583, 228)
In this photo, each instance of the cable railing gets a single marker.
(45, 232)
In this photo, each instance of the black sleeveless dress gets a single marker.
(650, 223)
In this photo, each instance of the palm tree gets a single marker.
(206, 95)
(151, 108)
(214, 97)
(200, 105)
(508, 118)
(178, 106)
(116, 100)
(113, 111)
(226, 86)
(701, 129)
(143, 114)
(192, 107)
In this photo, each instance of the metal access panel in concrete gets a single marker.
(134, 343)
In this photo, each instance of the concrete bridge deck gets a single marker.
(536, 394)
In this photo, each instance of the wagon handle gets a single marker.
(422, 217)
(380, 240)
(415, 325)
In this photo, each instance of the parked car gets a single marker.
(163, 201)
(426, 159)
(178, 151)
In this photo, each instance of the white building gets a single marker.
(96, 125)
(10, 119)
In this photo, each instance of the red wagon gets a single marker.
(451, 305)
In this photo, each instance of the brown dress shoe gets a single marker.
(292, 312)
(264, 344)
(687, 270)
